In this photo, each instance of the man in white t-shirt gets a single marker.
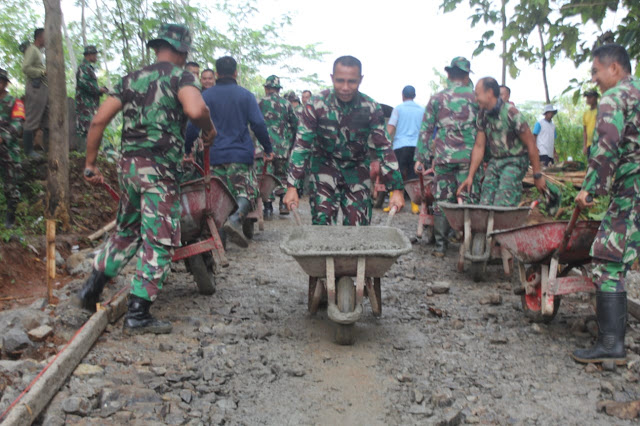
(545, 134)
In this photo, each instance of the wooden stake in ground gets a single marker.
(51, 258)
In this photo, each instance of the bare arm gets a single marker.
(391, 129)
(108, 109)
(534, 157)
(477, 156)
(194, 107)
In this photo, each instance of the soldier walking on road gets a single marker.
(87, 95)
(507, 139)
(339, 128)
(452, 114)
(156, 102)
(614, 170)
(11, 119)
(36, 94)
(282, 123)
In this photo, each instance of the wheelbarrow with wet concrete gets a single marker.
(333, 256)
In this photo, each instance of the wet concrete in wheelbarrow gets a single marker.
(251, 353)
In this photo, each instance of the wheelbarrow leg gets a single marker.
(360, 280)
(421, 219)
(260, 207)
(331, 281)
(465, 247)
(506, 260)
(315, 294)
(373, 291)
(549, 274)
(218, 253)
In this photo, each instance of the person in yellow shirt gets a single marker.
(589, 120)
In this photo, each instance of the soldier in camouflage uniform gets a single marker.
(295, 103)
(87, 95)
(453, 113)
(504, 130)
(339, 128)
(614, 169)
(12, 117)
(282, 124)
(156, 102)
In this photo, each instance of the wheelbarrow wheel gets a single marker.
(532, 306)
(477, 249)
(248, 228)
(201, 267)
(346, 295)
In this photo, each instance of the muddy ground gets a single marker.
(251, 353)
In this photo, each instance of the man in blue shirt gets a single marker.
(404, 128)
(545, 134)
(233, 108)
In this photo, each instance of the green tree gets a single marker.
(14, 31)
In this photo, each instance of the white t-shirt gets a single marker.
(546, 132)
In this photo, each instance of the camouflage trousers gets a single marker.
(148, 224)
(617, 244)
(447, 179)
(278, 167)
(10, 170)
(330, 191)
(502, 185)
(240, 178)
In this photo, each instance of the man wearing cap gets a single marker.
(12, 117)
(589, 120)
(614, 170)
(87, 95)
(36, 93)
(545, 133)
(452, 114)
(507, 139)
(282, 123)
(193, 68)
(295, 103)
(156, 102)
(233, 110)
(340, 127)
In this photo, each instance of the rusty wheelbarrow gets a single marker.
(538, 251)
(266, 184)
(333, 255)
(420, 192)
(477, 222)
(205, 205)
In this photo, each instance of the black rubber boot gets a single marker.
(45, 140)
(233, 226)
(441, 233)
(138, 320)
(27, 143)
(89, 294)
(283, 209)
(611, 314)
(267, 212)
(10, 218)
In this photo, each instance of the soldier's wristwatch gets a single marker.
(537, 176)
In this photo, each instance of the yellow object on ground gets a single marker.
(415, 209)
(386, 209)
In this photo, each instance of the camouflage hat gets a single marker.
(461, 63)
(273, 81)
(292, 97)
(178, 36)
(3, 74)
(89, 50)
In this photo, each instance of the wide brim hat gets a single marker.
(178, 36)
(549, 108)
(273, 81)
(461, 63)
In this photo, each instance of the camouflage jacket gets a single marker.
(453, 113)
(503, 126)
(153, 119)
(87, 95)
(282, 123)
(298, 110)
(615, 153)
(11, 118)
(341, 136)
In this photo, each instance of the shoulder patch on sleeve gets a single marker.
(18, 110)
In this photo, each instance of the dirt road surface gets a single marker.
(251, 353)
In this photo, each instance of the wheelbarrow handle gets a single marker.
(293, 208)
(207, 163)
(392, 213)
(572, 224)
(114, 194)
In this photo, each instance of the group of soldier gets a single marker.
(478, 147)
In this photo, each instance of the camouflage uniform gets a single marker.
(614, 168)
(12, 117)
(240, 178)
(452, 115)
(282, 124)
(506, 153)
(148, 221)
(333, 143)
(87, 95)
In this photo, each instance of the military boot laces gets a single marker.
(138, 320)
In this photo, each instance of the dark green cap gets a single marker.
(178, 36)
(4, 75)
(89, 50)
(461, 63)
(273, 81)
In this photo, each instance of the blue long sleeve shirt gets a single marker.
(232, 107)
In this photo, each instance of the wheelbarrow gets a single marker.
(205, 205)
(539, 250)
(266, 184)
(333, 255)
(477, 222)
(420, 192)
